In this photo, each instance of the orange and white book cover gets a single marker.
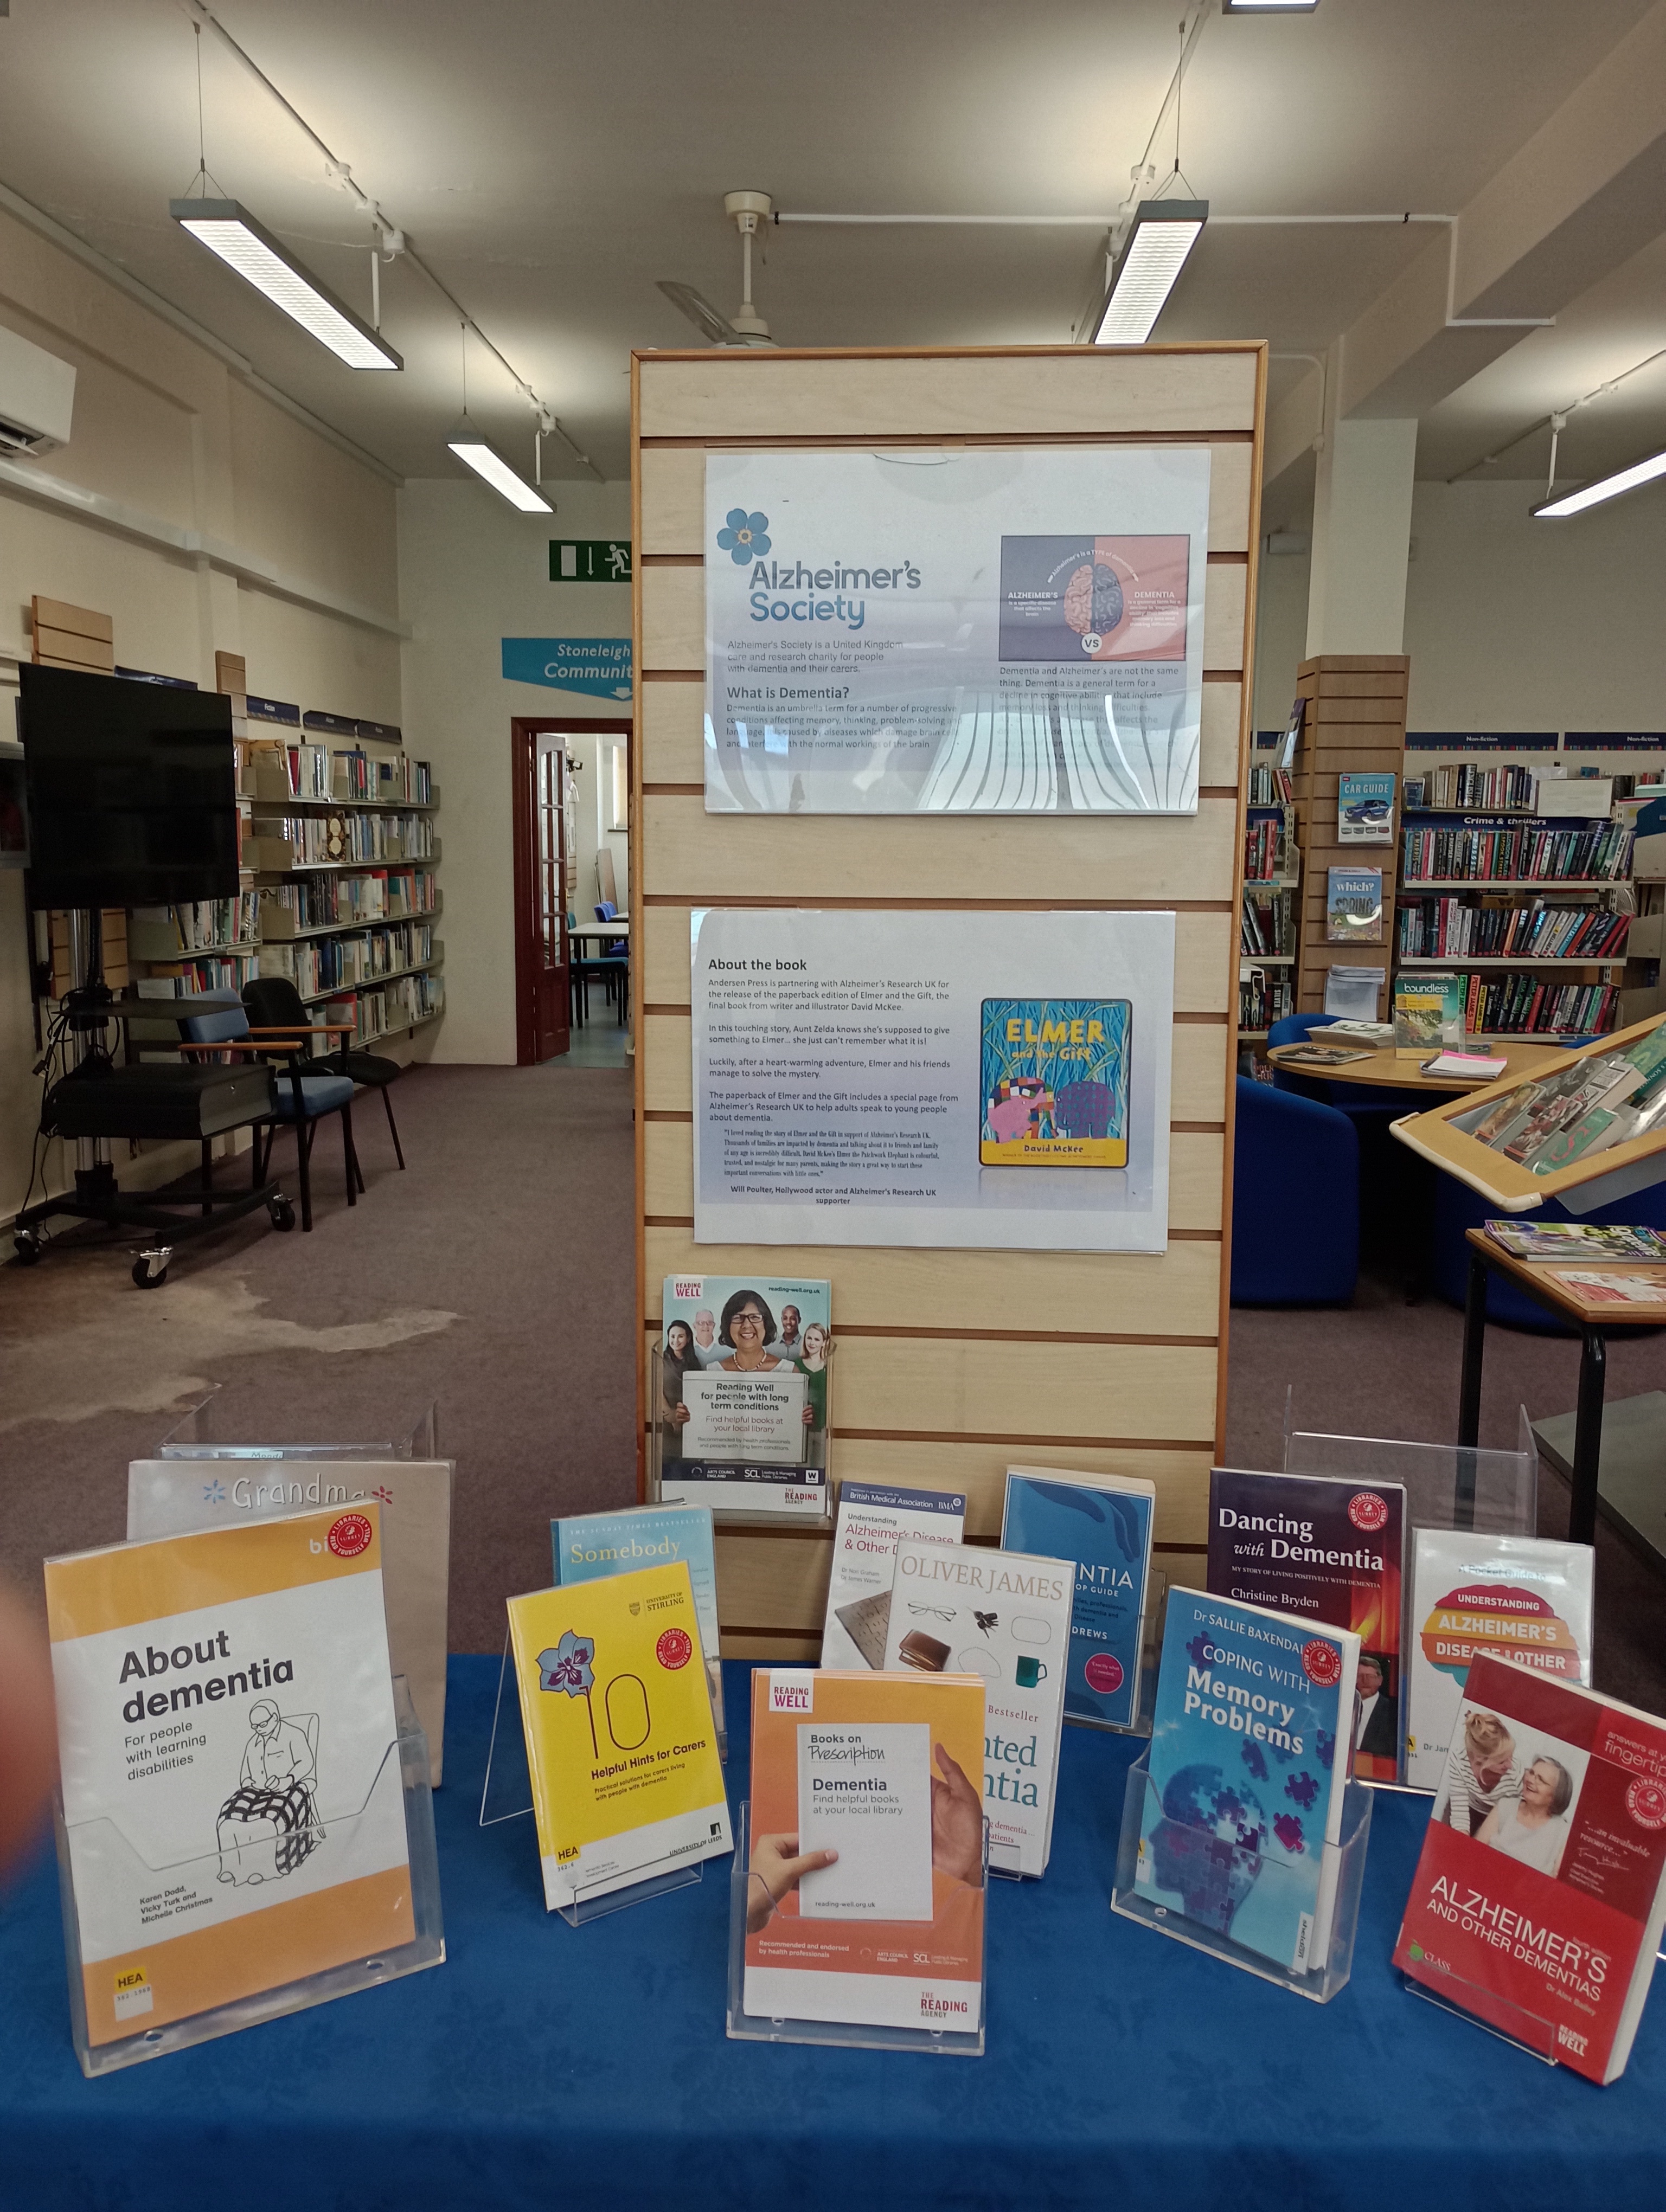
(232, 1803)
(865, 1890)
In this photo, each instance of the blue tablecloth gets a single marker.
(545, 2066)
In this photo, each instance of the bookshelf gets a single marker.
(1268, 919)
(1353, 723)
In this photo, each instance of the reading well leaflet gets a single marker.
(741, 1400)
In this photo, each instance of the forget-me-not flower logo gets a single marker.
(214, 1493)
(746, 537)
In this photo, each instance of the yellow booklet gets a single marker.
(620, 1740)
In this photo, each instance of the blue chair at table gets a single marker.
(1295, 1200)
(302, 1101)
(1359, 1101)
(614, 966)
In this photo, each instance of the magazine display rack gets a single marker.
(211, 1430)
(850, 2035)
(404, 1771)
(507, 1795)
(1239, 1870)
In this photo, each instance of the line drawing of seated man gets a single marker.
(274, 1806)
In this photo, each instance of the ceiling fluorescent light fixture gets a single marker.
(1164, 233)
(1267, 7)
(475, 453)
(1593, 495)
(229, 230)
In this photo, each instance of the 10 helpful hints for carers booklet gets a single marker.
(1540, 1912)
(620, 1737)
(865, 1889)
(232, 1803)
(1246, 1787)
(1314, 1547)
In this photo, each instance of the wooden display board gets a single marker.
(951, 1365)
(1353, 723)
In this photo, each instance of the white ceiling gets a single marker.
(552, 158)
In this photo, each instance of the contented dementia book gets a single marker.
(1246, 1783)
(233, 1814)
(1102, 1524)
(1539, 1901)
(1055, 1082)
(865, 1875)
(621, 1740)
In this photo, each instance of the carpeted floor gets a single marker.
(496, 1277)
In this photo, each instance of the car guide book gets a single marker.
(1102, 1523)
(1246, 1788)
(621, 1742)
(1314, 1546)
(864, 1889)
(234, 1813)
(1542, 1914)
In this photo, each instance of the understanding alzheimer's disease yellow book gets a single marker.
(620, 1739)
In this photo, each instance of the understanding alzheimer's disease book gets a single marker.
(232, 1804)
(1246, 1784)
(588, 1546)
(1055, 1082)
(1527, 1598)
(1541, 1911)
(873, 1519)
(171, 1497)
(1333, 1551)
(959, 1609)
(866, 1873)
(741, 1396)
(621, 1739)
(1102, 1524)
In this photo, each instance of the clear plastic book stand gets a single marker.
(211, 1430)
(507, 1795)
(1215, 1877)
(404, 1772)
(744, 2026)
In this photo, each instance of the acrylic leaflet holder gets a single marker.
(507, 1795)
(1222, 1883)
(850, 2035)
(403, 1775)
(211, 1430)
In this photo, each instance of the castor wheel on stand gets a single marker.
(28, 1245)
(281, 1212)
(150, 1269)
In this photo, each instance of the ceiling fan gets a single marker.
(746, 211)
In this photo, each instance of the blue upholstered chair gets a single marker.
(302, 1101)
(1359, 1101)
(1295, 1200)
(1458, 1208)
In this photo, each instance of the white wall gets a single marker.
(472, 572)
(165, 427)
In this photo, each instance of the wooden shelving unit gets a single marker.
(1353, 722)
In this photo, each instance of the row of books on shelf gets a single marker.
(1434, 929)
(270, 767)
(316, 964)
(329, 902)
(1270, 787)
(184, 979)
(377, 1009)
(1486, 790)
(1510, 851)
(197, 925)
(1524, 1006)
(1265, 996)
(1267, 843)
(1268, 926)
(313, 841)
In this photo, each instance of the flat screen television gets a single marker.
(131, 789)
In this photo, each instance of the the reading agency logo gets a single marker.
(744, 537)
(1645, 1800)
(1321, 1663)
(1368, 1511)
(674, 1649)
(349, 1535)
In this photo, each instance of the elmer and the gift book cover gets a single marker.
(1055, 1082)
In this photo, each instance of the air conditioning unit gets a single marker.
(37, 393)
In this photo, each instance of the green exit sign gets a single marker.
(589, 560)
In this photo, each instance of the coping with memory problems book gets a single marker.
(1246, 1787)
(586, 1546)
(741, 1401)
(1527, 1598)
(1055, 1082)
(620, 1740)
(959, 1609)
(1541, 1914)
(1102, 1524)
(865, 1875)
(232, 1804)
(171, 1497)
(1317, 1547)
(873, 1519)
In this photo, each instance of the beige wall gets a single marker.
(472, 572)
(167, 437)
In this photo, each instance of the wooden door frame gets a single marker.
(525, 731)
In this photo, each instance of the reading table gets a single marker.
(544, 2065)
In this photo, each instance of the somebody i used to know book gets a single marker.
(1055, 1082)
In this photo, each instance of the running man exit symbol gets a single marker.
(589, 560)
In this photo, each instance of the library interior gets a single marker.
(501, 511)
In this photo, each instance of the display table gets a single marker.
(1395, 1071)
(543, 2066)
